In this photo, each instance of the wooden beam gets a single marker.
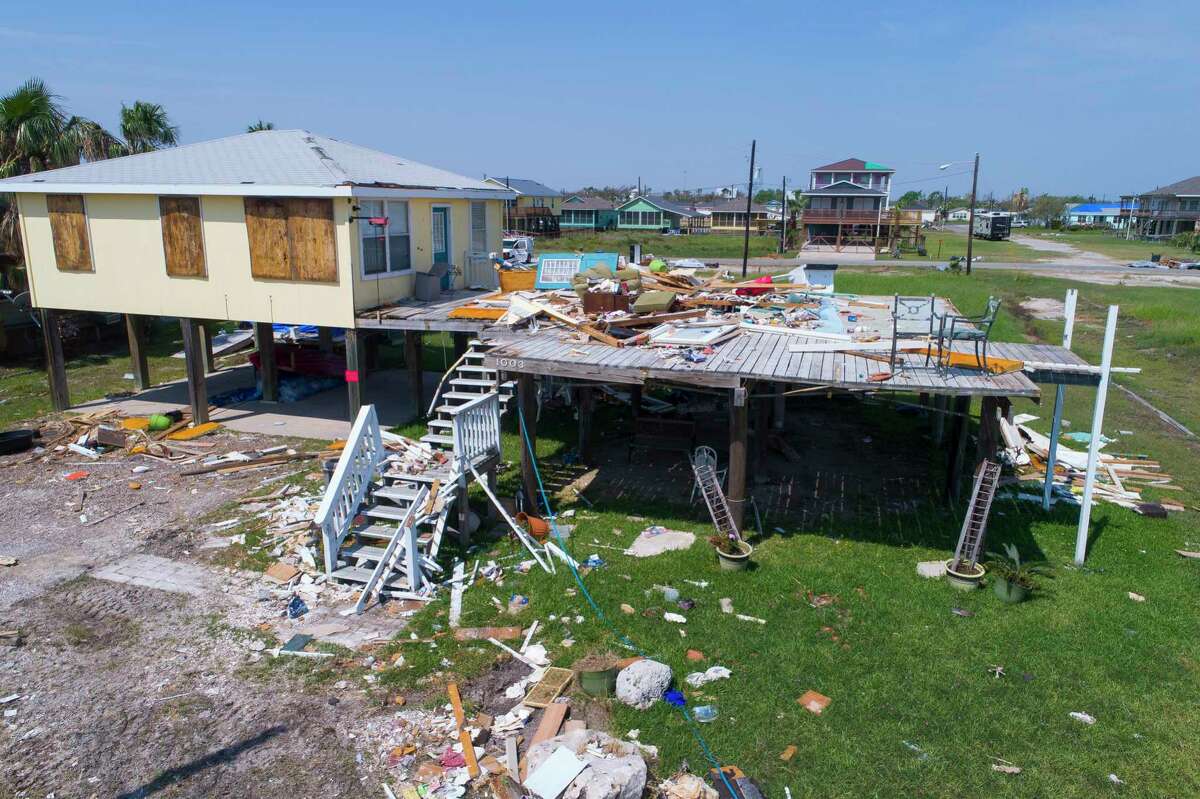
(762, 421)
(412, 360)
(193, 351)
(268, 368)
(56, 365)
(738, 423)
(586, 403)
(958, 447)
(939, 419)
(206, 347)
(135, 330)
(461, 342)
(325, 338)
(527, 402)
(353, 376)
(492, 486)
(635, 401)
(464, 514)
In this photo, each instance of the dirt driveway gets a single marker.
(1065, 253)
(126, 690)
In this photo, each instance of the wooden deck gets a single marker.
(413, 314)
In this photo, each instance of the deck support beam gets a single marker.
(958, 446)
(56, 365)
(325, 338)
(762, 426)
(490, 475)
(939, 419)
(586, 405)
(739, 413)
(461, 342)
(268, 368)
(464, 514)
(193, 353)
(527, 403)
(353, 375)
(412, 360)
(206, 347)
(135, 331)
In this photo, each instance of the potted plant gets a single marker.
(598, 674)
(1012, 579)
(732, 552)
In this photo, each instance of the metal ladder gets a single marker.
(970, 540)
(714, 497)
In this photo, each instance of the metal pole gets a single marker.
(749, 199)
(783, 227)
(971, 213)
(1089, 483)
(1059, 396)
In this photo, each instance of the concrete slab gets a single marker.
(151, 571)
(325, 623)
(322, 416)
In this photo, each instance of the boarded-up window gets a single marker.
(291, 239)
(68, 228)
(183, 239)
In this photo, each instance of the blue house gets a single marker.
(1101, 214)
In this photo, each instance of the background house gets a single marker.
(535, 208)
(928, 212)
(729, 216)
(588, 213)
(1166, 210)
(654, 213)
(1101, 214)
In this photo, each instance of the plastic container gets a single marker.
(517, 279)
(600, 683)
(705, 714)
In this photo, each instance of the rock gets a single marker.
(931, 569)
(641, 684)
(622, 775)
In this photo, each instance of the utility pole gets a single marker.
(783, 227)
(639, 185)
(749, 199)
(971, 213)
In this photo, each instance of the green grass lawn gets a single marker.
(711, 245)
(1111, 244)
(898, 665)
(941, 245)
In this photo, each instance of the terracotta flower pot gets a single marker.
(538, 528)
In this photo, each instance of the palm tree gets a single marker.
(260, 125)
(146, 126)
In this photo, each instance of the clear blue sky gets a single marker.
(1089, 97)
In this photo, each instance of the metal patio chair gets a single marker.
(707, 456)
(974, 329)
(912, 309)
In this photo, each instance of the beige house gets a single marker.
(273, 226)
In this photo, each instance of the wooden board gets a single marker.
(267, 230)
(183, 236)
(312, 252)
(68, 228)
(552, 719)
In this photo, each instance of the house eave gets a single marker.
(252, 190)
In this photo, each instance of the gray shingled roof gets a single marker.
(275, 158)
(1189, 187)
(738, 206)
(581, 202)
(528, 187)
(842, 187)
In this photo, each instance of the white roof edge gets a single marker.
(250, 190)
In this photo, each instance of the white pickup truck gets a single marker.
(519, 249)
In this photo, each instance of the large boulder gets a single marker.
(642, 683)
(619, 774)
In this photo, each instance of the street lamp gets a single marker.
(971, 211)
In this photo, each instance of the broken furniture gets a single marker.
(975, 330)
(707, 458)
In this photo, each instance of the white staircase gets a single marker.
(381, 526)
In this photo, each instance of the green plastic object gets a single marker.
(159, 422)
(658, 265)
(653, 301)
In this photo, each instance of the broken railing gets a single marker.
(356, 469)
(477, 430)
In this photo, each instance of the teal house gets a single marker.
(654, 213)
(588, 213)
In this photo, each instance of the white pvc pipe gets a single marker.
(1085, 512)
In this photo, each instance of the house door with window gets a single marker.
(441, 241)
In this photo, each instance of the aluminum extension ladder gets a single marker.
(970, 540)
(718, 507)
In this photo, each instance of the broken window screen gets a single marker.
(558, 270)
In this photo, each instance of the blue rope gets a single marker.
(693, 727)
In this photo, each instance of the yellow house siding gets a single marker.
(130, 267)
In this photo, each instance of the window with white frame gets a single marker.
(386, 248)
(479, 231)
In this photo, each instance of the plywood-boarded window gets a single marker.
(183, 237)
(69, 230)
(291, 238)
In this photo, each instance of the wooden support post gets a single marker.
(586, 404)
(325, 338)
(1060, 396)
(779, 413)
(989, 428)
(738, 423)
(370, 345)
(353, 376)
(635, 401)
(193, 352)
(268, 369)
(1089, 479)
(939, 419)
(464, 514)
(461, 342)
(762, 423)
(412, 360)
(206, 347)
(135, 331)
(527, 402)
(958, 446)
(492, 514)
(56, 365)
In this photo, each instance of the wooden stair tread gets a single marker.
(359, 574)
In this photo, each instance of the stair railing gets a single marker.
(476, 428)
(437, 392)
(356, 469)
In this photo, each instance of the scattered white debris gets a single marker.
(1086, 718)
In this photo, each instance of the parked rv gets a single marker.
(994, 225)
